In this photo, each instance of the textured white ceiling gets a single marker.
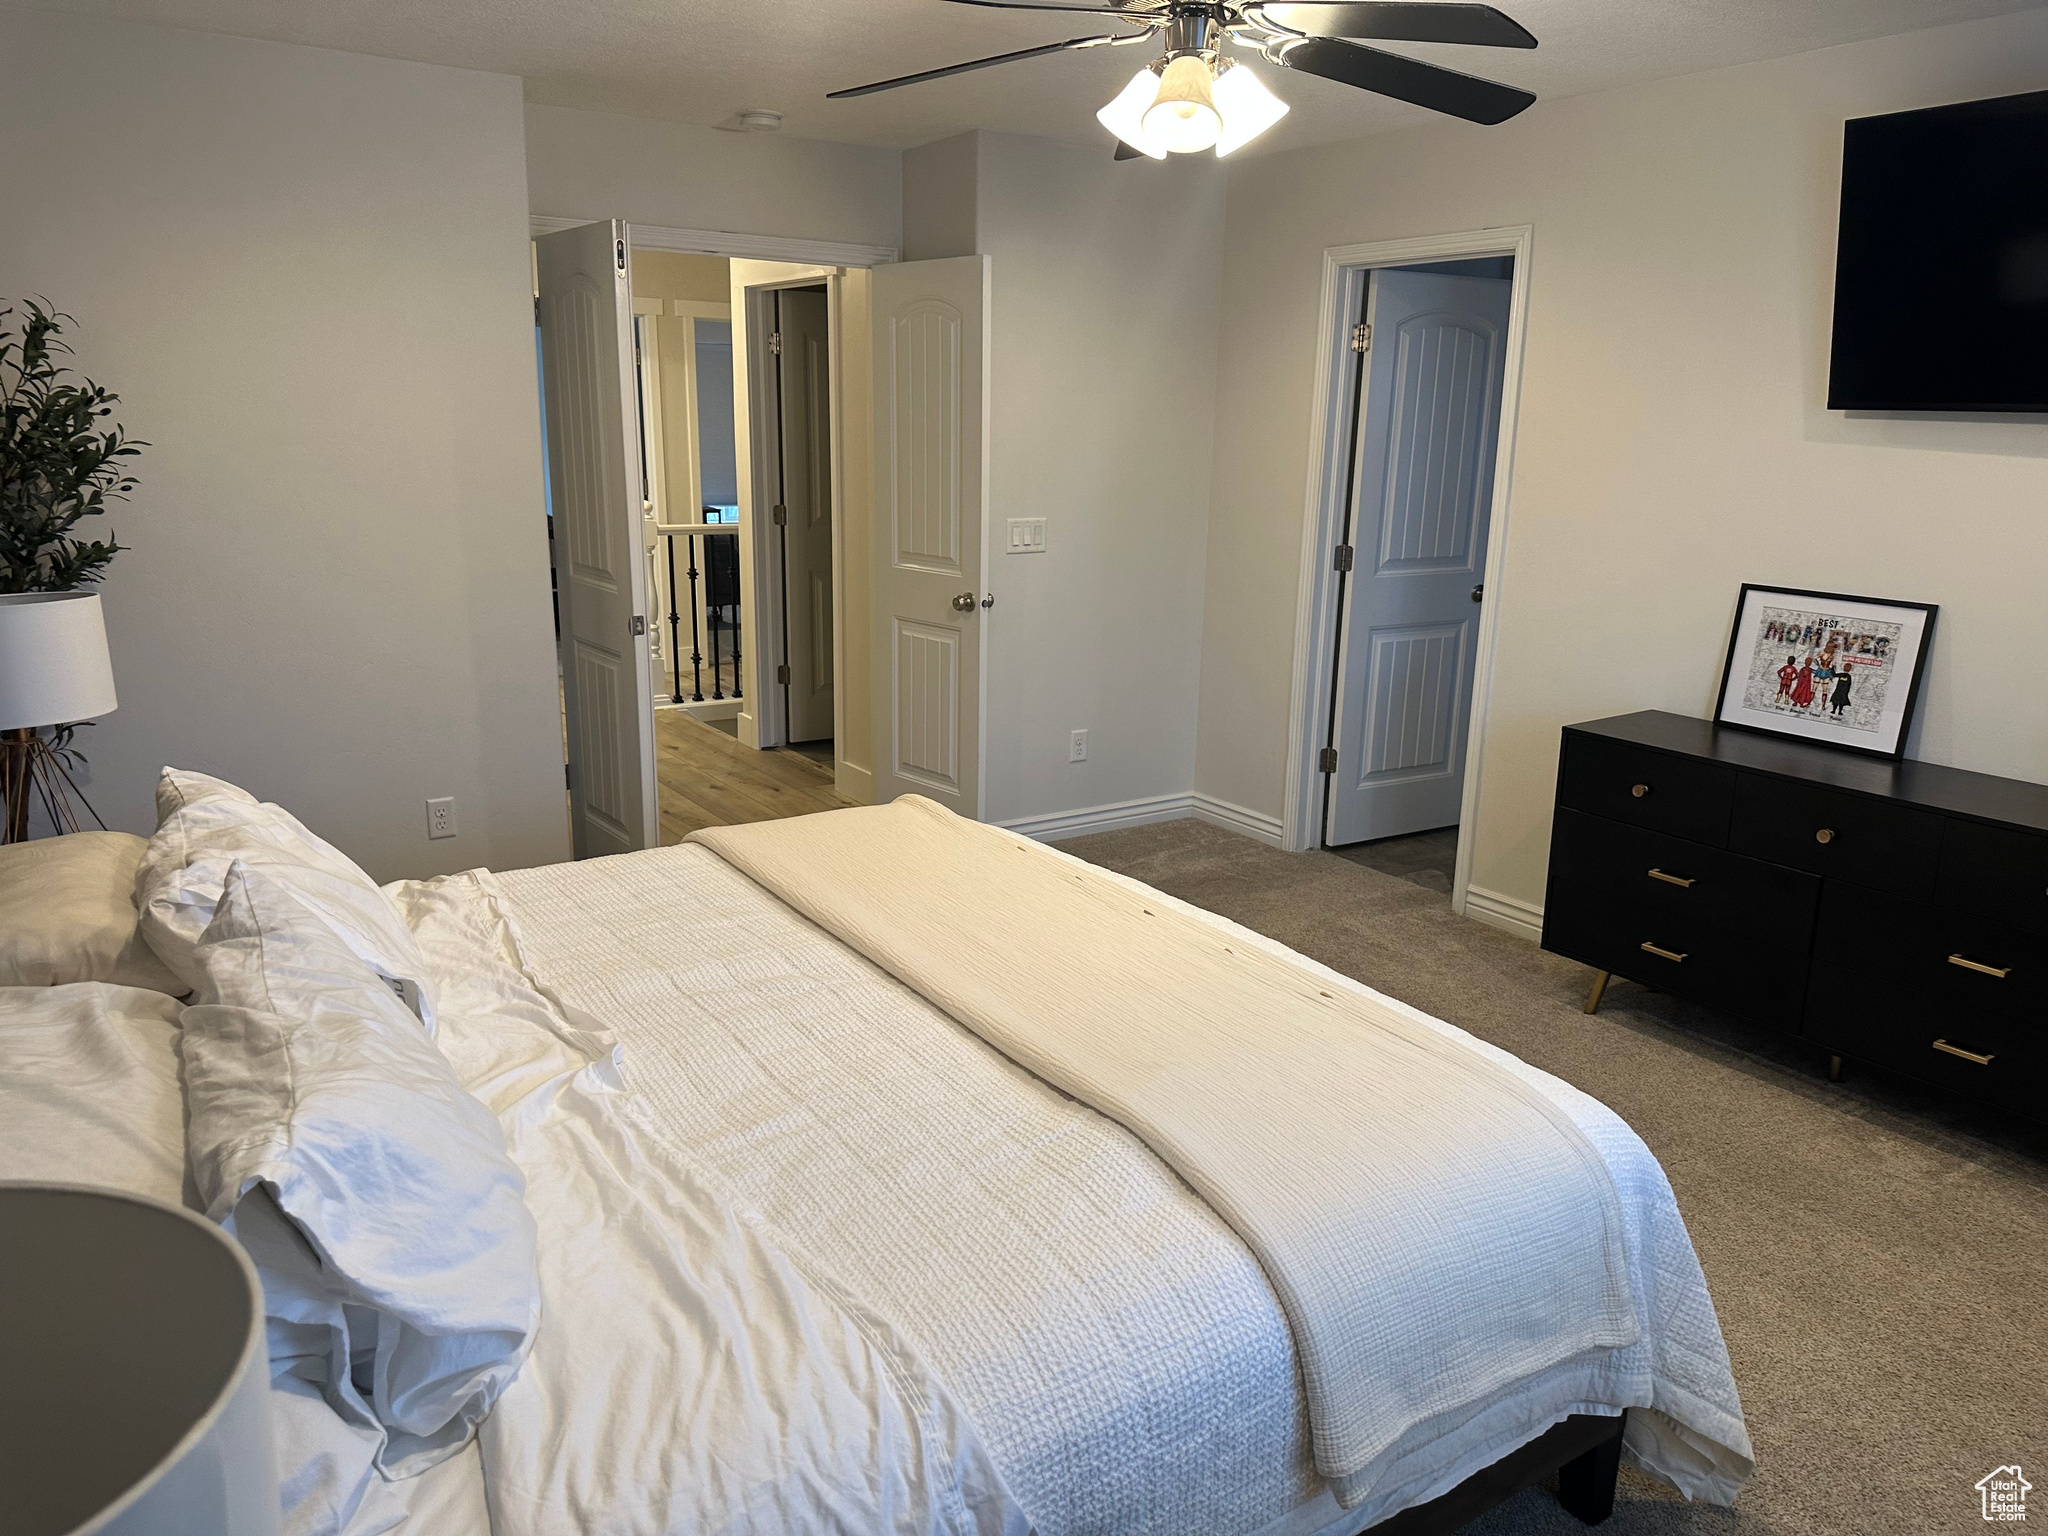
(702, 61)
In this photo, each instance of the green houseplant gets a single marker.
(62, 460)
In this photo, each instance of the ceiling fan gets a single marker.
(1195, 97)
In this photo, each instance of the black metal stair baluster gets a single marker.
(696, 653)
(736, 673)
(711, 615)
(675, 622)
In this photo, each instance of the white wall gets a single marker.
(596, 165)
(1672, 438)
(1105, 279)
(305, 272)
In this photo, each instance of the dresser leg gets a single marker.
(1600, 980)
(1834, 1069)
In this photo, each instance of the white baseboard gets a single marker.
(1521, 918)
(1141, 813)
(1221, 813)
(855, 783)
(1102, 818)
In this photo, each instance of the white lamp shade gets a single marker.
(1248, 108)
(1124, 117)
(138, 1376)
(54, 666)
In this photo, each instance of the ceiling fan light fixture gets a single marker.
(1125, 116)
(1248, 109)
(1183, 118)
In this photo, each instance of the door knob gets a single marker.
(964, 603)
(1479, 592)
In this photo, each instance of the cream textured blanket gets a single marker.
(1435, 1229)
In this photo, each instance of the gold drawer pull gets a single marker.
(1640, 790)
(1658, 874)
(1665, 954)
(1957, 1050)
(1824, 835)
(2000, 971)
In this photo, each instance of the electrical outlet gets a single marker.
(441, 817)
(1077, 747)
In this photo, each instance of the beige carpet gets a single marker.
(1879, 1260)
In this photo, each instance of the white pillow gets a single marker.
(205, 825)
(89, 1088)
(67, 913)
(375, 1195)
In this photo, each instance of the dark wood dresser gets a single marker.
(1889, 912)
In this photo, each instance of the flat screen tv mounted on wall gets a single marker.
(1941, 276)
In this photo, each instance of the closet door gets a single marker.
(931, 630)
(1422, 498)
(586, 335)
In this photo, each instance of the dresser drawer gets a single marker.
(1849, 837)
(1660, 873)
(1679, 953)
(1967, 966)
(1996, 869)
(1856, 1012)
(1646, 789)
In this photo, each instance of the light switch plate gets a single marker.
(1027, 535)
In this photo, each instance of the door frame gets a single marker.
(763, 718)
(824, 261)
(1345, 268)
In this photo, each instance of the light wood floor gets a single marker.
(707, 779)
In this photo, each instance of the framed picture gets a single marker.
(1823, 666)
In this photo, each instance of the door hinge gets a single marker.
(775, 343)
(1327, 762)
(1345, 555)
(536, 309)
(1361, 337)
(639, 624)
(780, 514)
(568, 779)
(622, 255)
(782, 674)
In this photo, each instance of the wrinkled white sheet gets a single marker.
(1116, 1345)
(693, 1371)
(90, 1093)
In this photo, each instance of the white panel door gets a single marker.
(805, 383)
(1420, 499)
(931, 358)
(586, 337)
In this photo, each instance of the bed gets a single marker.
(813, 1253)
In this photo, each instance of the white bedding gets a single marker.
(1116, 1346)
(694, 1372)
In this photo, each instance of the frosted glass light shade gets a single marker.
(1248, 109)
(1125, 116)
(54, 666)
(1183, 117)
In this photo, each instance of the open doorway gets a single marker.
(725, 599)
(1405, 523)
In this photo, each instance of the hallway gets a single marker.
(707, 779)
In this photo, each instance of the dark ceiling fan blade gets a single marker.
(1389, 74)
(961, 69)
(1411, 21)
(1142, 13)
(1125, 152)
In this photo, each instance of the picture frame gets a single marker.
(1826, 667)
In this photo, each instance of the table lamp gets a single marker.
(54, 670)
(138, 1380)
